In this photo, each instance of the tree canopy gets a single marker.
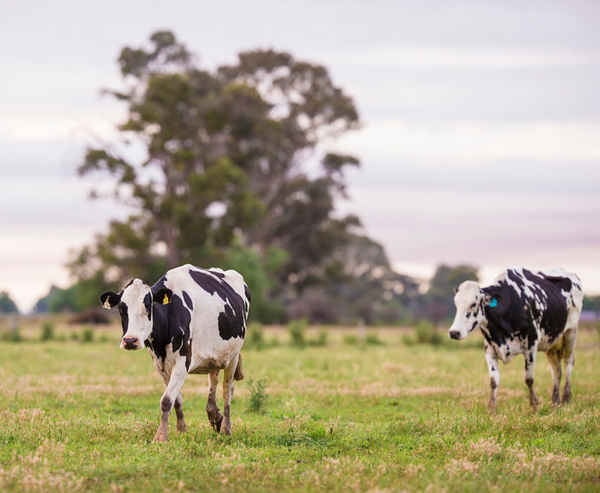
(7, 305)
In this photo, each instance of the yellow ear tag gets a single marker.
(166, 299)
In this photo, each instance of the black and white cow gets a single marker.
(193, 321)
(523, 312)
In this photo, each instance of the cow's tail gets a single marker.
(238, 375)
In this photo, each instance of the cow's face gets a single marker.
(470, 314)
(135, 308)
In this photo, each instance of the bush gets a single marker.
(255, 336)
(47, 331)
(296, 330)
(321, 339)
(74, 336)
(425, 333)
(373, 340)
(258, 396)
(87, 334)
(350, 339)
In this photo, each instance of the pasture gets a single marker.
(345, 416)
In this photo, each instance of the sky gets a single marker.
(480, 137)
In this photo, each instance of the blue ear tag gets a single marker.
(494, 303)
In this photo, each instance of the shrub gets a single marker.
(321, 339)
(350, 339)
(74, 336)
(296, 330)
(255, 336)
(87, 334)
(373, 340)
(47, 331)
(426, 333)
(258, 396)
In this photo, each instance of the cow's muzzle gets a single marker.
(454, 334)
(130, 343)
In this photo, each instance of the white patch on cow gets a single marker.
(209, 350)
(139, 325)
(469, 313)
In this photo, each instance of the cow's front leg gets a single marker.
(530, 355)
(228, 382)
(212, 410)
(493, 370)
(179, 412)
(169, 397)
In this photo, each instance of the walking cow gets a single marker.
(523, 312)
(193, 321)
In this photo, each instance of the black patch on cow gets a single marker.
(123, 311)
(247, 293)
(170, 325)
(232, 321)
(517, 313)
(188, 300)
(165, 404)
(148, 304)
(474, 325)
(217, 273)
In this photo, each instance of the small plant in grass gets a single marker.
(296, 330)
(350, 339)
(425, 333)
(255, 336)
(47, 333)
(373, 340)
(258, 396)
(87, 334)
(321, 339)
(74, 336)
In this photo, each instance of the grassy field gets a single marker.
(80, 416)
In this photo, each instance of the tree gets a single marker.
(7, 305)
(225, 156)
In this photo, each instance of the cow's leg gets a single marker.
(212, 410)
(179, 412)
(493, 370)
(569, 356)
(530, 355)
(169, 397)
(554, 360)
(228, 380)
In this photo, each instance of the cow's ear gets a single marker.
(163, 296)
(110, 299)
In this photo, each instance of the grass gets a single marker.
(339, 417)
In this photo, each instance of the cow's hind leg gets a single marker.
(569, 357)
(169, 397)
(530, 355)
(212, 410)
(179, 412)
(228, 381)
(554, 360)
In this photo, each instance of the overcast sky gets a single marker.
(481, 136)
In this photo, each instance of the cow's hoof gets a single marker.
(492, 407)
(159, 437)
(566, 398)
(181, 427)
(215, 422)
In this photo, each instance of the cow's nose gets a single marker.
(455, 334)
(130, 342)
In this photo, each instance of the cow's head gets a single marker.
(135, 307)
(470, 300)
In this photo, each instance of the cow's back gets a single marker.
(219, 307)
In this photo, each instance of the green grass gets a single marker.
(341, 418)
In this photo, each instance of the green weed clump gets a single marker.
(350, 339)
(373, 340)
(425, 333)
(258, 396)
(87, 334)
(13, 335)
(255, 336)
(320, 341)
(47, 333)
(297, 330)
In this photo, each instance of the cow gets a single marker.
(191, 320)
(523, 311)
